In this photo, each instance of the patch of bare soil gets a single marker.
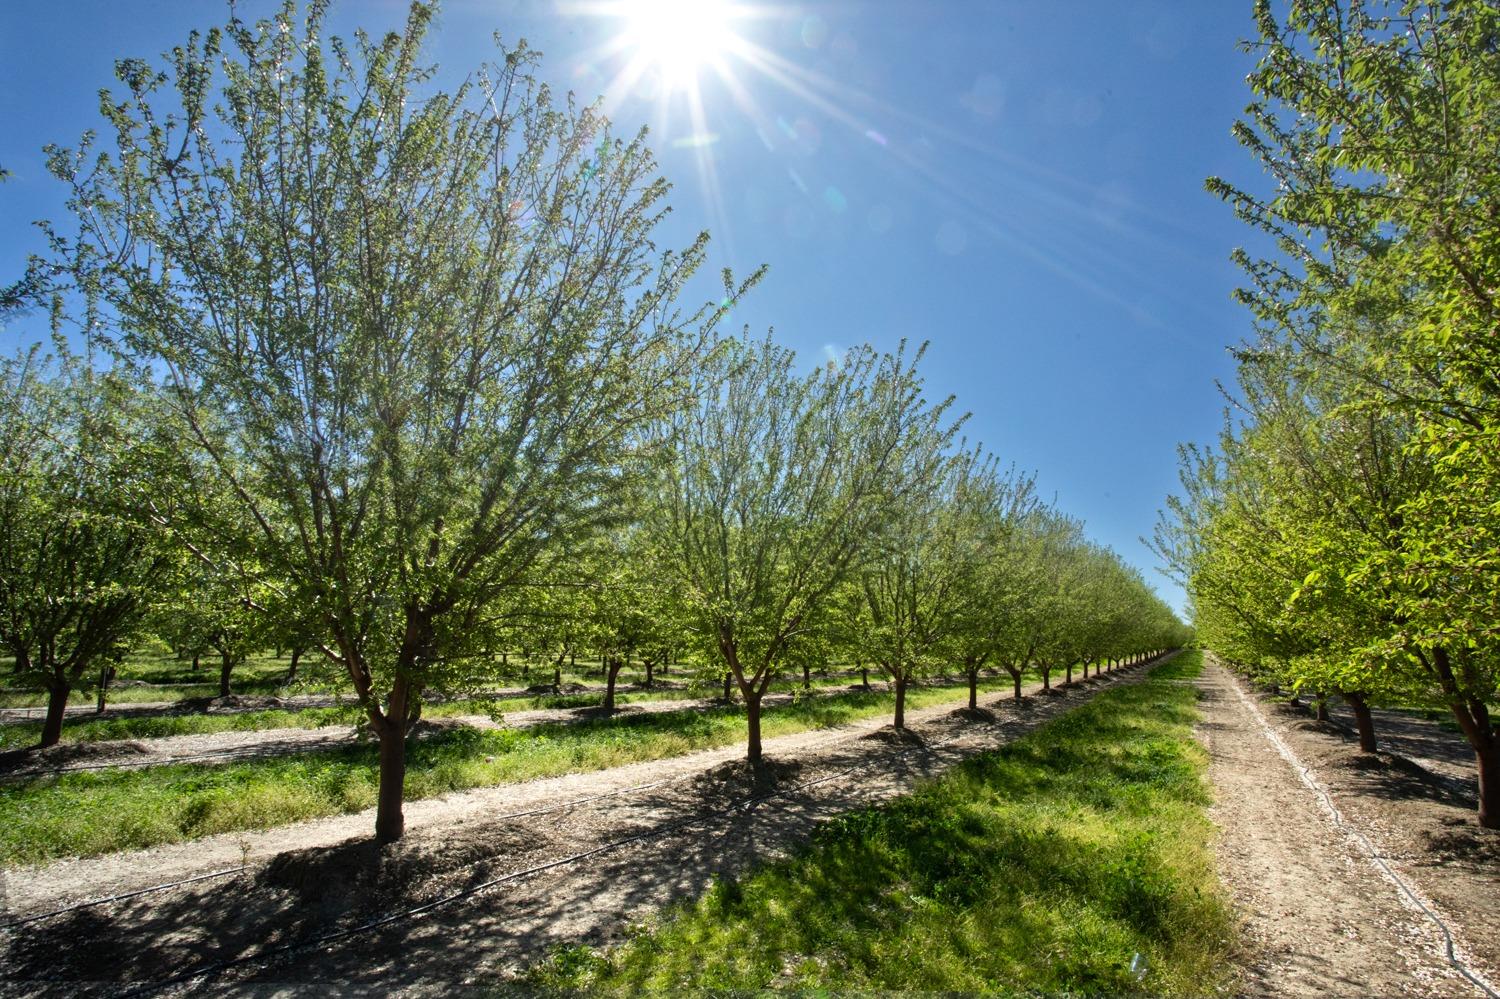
(1319, 916)
(975, 714)
(898, 736)
(506, 873)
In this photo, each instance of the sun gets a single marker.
(678, 38)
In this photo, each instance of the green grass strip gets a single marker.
(1042, 868)
(96, 812)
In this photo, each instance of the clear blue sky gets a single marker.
(1019, 183)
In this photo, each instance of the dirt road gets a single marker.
(1320, 915)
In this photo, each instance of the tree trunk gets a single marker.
(727, 678)
(572, 660)
(1487, 761)
(864, 676)
(973, 688)
(106, 674)
(57, 703)
(291, 670)
(806, 675)
(752, 727)
(1015, 679)
(1363, 721)
(650, 670)
(612, 668)
(197, 661)
(226, 663)
(1070, 673)
(1322, 713)
(900, 720)
(1047, 678)
(390, 823)
(557, 676)
(1085, 669)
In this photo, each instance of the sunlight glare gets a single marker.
(678, 37)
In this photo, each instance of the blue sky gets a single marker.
(1019, 183)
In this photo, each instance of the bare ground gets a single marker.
(661, 830)
(1320, 917)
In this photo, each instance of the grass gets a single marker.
(95, 812)
(1045, 867)
(19, 735)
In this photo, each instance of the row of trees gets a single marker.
(1344, 534)
(404, 372)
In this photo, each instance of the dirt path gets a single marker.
(686, 819)
(1320, 917)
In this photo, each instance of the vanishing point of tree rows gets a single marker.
(396, 375)
(1343, 537)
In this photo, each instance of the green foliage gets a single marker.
(1043, 867)
(1344, 534)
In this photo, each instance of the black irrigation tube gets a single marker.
(1305, 774)
(742, 805)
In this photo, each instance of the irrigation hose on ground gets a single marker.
(1304, 773)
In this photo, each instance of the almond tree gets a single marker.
(923, 576)
(411, 329)
(78, 566)
(781, 485)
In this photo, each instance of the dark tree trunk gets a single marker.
(973, 688)
(864, 676)
(752, 727)
(727, 678)
(572, 660)
(1015, 680)
(197, 661)
(1047, 678)
(612, 670)
(1322, 713)
(504, 659)
(390, 823)
(650, 671)
(226, 663)
(1362, 721)
(1487, 761)
(1085, 669)
(557, 675)
(1070, 673)
(806, 675)
(291, 670)
(106, 674)
(57, 704)
(900, 720)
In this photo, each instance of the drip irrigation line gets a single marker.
(1305, 774)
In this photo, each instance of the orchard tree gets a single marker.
(923, 574)
(781, 485)
(1377, 122)
(412, 330)
(78, 565)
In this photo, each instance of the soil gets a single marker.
(574, 859)
(1319, 915)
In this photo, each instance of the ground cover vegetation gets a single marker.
(399, 380)
(93, 812)
(1074, 861)
(1342, 536)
